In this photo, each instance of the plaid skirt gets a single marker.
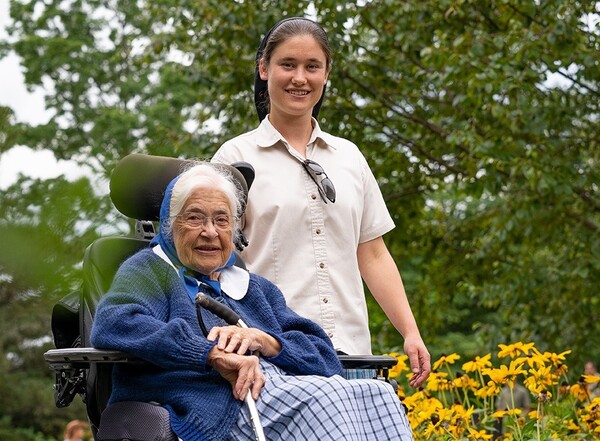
(310, 407)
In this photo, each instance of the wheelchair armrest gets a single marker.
(71, 367)
(69, 358)
(367, 361)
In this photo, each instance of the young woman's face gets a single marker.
(296, 75)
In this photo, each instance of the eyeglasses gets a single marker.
(193, 219)
(318, 175)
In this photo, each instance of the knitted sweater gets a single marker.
(148, 313)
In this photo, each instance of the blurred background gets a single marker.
(479, 119)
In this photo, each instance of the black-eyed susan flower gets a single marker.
(580, 391)
(463, 381)
(469, 410)
(505, 374)
(438, 381)
(591, 379)
(502, 413)
(478, 364)
(479, 434)
(491, 389)
(515, 349)
(400, 367)
(540, 379)
(557, 359)
(570, 424)
(445, 360)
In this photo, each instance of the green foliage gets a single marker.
(489, 165)
(45, 226)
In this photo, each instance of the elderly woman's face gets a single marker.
(206, 246)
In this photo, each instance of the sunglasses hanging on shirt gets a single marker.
(318, 175)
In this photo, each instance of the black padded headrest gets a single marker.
(138, 182)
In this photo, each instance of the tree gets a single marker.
(488, 163)
(45, 226)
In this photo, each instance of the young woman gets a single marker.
(315, 216)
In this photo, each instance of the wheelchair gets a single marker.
(137, 187)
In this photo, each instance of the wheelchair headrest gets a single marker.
(138, 183)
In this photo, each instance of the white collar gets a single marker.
(234, 280)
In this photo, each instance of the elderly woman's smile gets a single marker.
(203, 231)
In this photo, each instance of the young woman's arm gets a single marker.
(381, 275)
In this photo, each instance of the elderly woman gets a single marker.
(287, 363)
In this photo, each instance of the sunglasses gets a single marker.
(318, 175)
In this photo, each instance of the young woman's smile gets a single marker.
(296, 76)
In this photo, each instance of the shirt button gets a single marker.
(313, 196)
(325, 300)
(318, 231)
(321, 265)
(330, 335)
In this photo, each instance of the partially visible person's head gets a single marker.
(75, 430)
(590, 368)
(204, 210)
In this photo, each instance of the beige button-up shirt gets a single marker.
(304, 246)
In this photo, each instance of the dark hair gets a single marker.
(291, 28)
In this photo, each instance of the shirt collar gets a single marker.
(268, 136)
(234, 280)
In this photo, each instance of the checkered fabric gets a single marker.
(359, 374)
(317, 408)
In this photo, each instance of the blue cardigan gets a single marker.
(148, 313)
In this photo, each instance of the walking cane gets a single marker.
(231, 317)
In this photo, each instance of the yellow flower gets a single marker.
(540, 379)
(515, 349)
(489, 390)
(503, 413)
(571, 425)
(478, 364)
(591, 379)
(557, 359)
(580, 391)
(561, 370)
(400, 367)
(463, 381)
(445, 416)
(479, 434)
(505, 374)
(423, 410)
(445, 359)
(438, 381)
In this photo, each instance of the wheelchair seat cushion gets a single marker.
(135, 421)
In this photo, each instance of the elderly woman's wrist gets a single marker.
(272, 346)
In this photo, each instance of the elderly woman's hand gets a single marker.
(242, 371)
(241, 340)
